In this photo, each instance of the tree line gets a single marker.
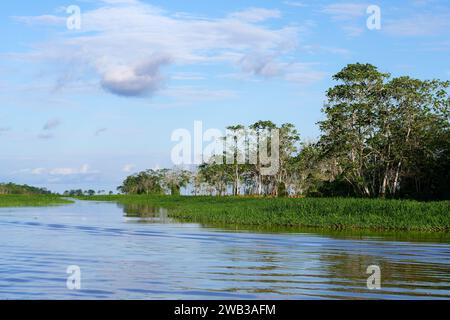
(380, 137)
(80, 192)
(12, 188)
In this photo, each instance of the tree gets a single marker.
(145, 182)
(237, 167)
(175, 179)
(260, 127)
(378, 129)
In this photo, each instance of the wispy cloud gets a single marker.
(51, 124)
(348, 15)
(125, 44)
(45, 136)
(419, 25)
(345, 11)
(295, 4)
(47, 20)
(128, 168)
(63, 171)
(37, 171)
(256, 14)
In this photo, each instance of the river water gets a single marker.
(139, 253)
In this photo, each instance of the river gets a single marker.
(128, 253)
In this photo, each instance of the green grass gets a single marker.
(328, 213)
(31, 200)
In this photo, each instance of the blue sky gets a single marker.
(84, 108)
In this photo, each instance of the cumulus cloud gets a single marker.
(140, 80)
(125, 44)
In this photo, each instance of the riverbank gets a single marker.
(31, 200)
(327, 213)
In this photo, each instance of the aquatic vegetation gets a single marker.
(330, 213)
(31, 200)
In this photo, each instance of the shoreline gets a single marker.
(24, 200)
(328, 214)
(313, 213)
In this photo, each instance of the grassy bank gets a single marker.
(31, 200)
(329, 213)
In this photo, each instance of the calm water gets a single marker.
(140, 255)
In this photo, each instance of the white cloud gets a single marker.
(345, 11)
(295, 4)
(141, 80)
(349, 15)
(128, 168)
(37, 171)
(256, 14)
(84, 169)
(418, 25)
(124, 44)
(48, 20)
(267, 66)
(63, 171)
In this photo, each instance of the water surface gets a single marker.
(139, 253)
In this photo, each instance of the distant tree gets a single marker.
(12, 188)
(175, 179)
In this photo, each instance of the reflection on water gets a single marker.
(145, 213)
(139, 253)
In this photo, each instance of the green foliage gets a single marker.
(156, 182)
(387, 136)
(27, 200)
(281, 189)
(11, 188)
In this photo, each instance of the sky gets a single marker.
(86, 100)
